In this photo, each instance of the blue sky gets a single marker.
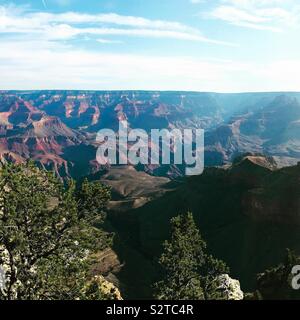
(199, 45)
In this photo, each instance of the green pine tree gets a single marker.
(187, 268)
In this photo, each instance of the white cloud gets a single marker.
(271, 15)
(112, 18)
(70, 24)
(36, 54)
(242, 18)
(104, 41)
(255, 3)
(43, 68)
(45, 65)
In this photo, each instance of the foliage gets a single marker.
(188, 269)
(276, 283)
(92, 200)
(47, 233)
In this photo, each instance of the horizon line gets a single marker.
(146, 90)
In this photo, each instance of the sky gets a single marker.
(186, 45)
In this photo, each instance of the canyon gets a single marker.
(57, 129)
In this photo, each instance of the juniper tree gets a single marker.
(46, 235)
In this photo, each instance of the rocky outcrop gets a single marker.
(276, 198)
(108, 289)
(226, 288)
(98, 288)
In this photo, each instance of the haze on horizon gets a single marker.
(183, 45)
